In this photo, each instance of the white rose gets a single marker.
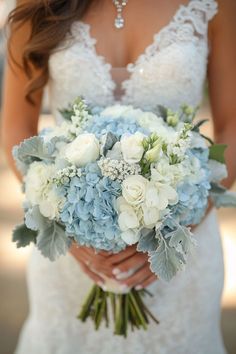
(150, 216)
(132, 148)
(134, 189)
(84, 149)
(37, 181)
(130, 236)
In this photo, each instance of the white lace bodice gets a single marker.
(170, 72)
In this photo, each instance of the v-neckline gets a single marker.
(155, 38)
(106, 67)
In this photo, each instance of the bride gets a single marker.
(142, 53)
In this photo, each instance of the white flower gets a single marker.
(132, 148)
(117, 111)
(128, 220)
(84, 149)
(51, 205)
(130, 236)
(150, 121)
(171, 174)
(150, 216)
(134, 189)
(164, 195)
(37, 181)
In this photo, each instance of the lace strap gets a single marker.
(208, 7)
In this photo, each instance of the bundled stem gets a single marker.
(128, 310)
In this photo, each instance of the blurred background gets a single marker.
(13, 262)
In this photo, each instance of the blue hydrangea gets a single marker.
(102, 125)
(193, 198)
(89, 214)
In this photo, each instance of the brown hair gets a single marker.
(49, 20)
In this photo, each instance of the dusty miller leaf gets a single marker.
(109, 141)
(148, 241)
(34, 220)
(224, 199)
(30, 150)
(23, 236)
(181, 239)
(52, 240)
(165, 262)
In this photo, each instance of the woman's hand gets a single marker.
(129, 267)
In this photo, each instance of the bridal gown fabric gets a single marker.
(170, 72)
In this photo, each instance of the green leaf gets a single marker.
(67, 113)
(161, 111)
(30, 150)
(166, 261)
(23, 236)
(148, 241)
(197, 126)
(52, 240)
(216, 152)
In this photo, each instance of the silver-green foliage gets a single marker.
(32, 149)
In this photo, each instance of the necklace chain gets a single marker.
(119, 20)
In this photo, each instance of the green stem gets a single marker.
(84, 313)
(138, 312)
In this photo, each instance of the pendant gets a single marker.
(119, 22)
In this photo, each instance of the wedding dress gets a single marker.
(170, 72)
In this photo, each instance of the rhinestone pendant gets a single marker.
(119, 22)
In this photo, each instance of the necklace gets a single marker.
(119, 21)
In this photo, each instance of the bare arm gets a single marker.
(19, 117)
(222, 81)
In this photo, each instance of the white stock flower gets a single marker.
(132, 148)
(37, 181)
(134, 189)
(84, 149)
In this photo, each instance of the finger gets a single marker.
(119, 257)
(147, 282)
(134, 262)
(95, 277)
(138, 277)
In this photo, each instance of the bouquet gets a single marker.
(113, 177)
